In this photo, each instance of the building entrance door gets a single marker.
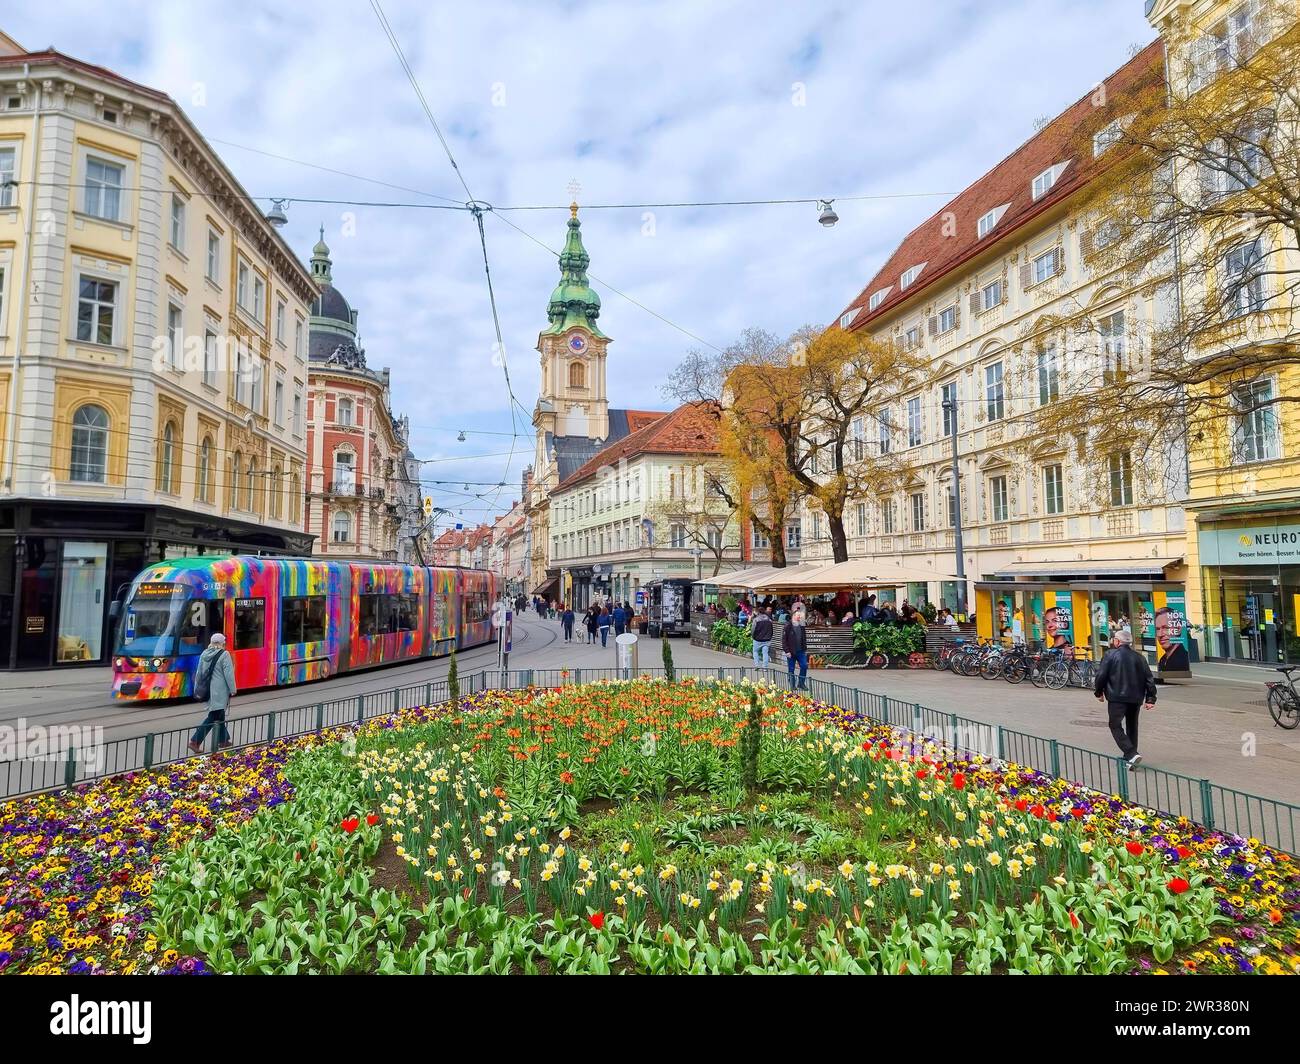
(1252, 621)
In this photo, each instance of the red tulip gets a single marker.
(920, 774)
(1021, 805)
(1051, 817)
(1038, 811)
(597, 920)
(1078, 812)
(1178, 885)
(1074, 920)
(350, 824)
(959, 782)
(1183, 851)
(1135, 848)
(372, 819)
(866, 746)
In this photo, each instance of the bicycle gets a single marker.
(1284, 700)
(1016, 664)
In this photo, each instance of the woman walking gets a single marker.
(603, 622)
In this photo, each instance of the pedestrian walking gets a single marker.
(589, 622)
(761, 630)
(214, 679)
(566, 622)
(620, 619)
(1124, 680)
(794, 641)
(603, 622)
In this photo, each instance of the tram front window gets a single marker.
(154, 627)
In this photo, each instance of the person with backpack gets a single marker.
(214, 680)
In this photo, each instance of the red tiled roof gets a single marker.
(639, 419)
(1010, 183)
(690, 429)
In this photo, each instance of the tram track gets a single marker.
(122, 719)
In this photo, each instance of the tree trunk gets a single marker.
(778, 551)
(839, 542)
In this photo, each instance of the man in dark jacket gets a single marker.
(1125, 681)
(620, 619)
(761, 630)
(794, 641)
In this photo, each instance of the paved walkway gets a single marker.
(1215, 726)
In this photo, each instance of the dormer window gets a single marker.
(910, 275)
(1043, 182)
(1105, 139)
(989, 220)
(878, 297)
(846, 319)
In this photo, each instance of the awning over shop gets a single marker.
(547, 587)
(739, 578)
(845, 576)
(1148, 567)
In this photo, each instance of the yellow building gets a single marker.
(152, 354)
(1243, 538)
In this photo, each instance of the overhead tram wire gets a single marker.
(473, 205)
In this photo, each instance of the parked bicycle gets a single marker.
(1283, 699)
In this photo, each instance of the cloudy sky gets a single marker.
(675, 101)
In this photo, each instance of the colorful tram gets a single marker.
(291, 620)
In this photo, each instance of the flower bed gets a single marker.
(613, 827)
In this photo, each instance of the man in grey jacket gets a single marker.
(1125, 682)
(217, 666)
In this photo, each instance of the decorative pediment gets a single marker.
(994, 460)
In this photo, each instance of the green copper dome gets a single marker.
(574, 302)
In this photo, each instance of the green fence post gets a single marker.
(1002, 744)
(270, 726)
(1121, 777)
(428, 693)
(320, 717)
(577, 677)
(1056, 758)
(148, 751)
(1207, 803)
(857, 701)
(482, 679)
(953, 734)
(70, 768)
(361, 708)
(721, 673)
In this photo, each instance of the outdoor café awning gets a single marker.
(848, 576)
(739, 578)
(1148, 567)
(547, 587)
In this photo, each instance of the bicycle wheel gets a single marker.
(1056, 675)
(991, 667)
(1284, 707)
(1015, 669)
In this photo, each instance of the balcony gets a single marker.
(1053, 530)
(999, 534)
(916, 541)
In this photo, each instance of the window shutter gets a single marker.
(1085, 244)
(1026, 277)
(1056, 261)
(975, 303)
(933, 326)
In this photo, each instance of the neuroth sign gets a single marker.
(1274, 544)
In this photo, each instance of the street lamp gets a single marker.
(950, 412)
(828, 217)
(276, 215)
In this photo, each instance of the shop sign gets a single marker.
(35, 626)
(1272, 544)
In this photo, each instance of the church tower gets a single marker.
(573, 401)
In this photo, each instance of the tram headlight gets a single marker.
(157, 663)
(120, 663)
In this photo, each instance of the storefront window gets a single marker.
(81, 601)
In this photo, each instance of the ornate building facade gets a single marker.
(363, 495)
(152, 354)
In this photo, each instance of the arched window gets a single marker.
(345, 412)
(345, 473)
(276, 473)
(251, 486)
(89, 463)
(205, 470)
(167, 457)
(237, 467)
(577, 375)
(342, 531)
